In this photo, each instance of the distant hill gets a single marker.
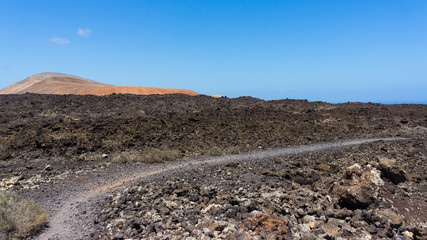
(59, 83)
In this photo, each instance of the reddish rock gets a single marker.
(266, 223)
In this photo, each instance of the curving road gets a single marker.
(72, 206)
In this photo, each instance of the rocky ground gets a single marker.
(55, 147)
(70, 132)
(372, 191)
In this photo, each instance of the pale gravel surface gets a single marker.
(73, 206)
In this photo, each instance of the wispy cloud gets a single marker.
(58, 40)
(84, 32)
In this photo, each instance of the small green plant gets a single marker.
(214, 151)
(148, 156)
(20, 218)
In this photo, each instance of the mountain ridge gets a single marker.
(63, 84)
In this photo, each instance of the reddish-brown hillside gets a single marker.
(58, 83)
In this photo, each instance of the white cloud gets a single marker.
(59, 40)
(84, 32)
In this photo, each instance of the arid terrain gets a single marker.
(104, 166)
(59, 83)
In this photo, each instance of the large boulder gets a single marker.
(358, 187)
(390, 170)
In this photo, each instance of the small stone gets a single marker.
(308, 219)
(118, 236)
(324, 167)
(343, 213)
(295, 185)
(410, 228)
(217, 227)
(354, 169)
(331, 229)
(48, 168)
(308, 236)
(301, 212)
(13, 181)
(408, 234)
(273, 224)
(81, 157)
(328, 213)
(315, 224)
(337, 222)
(359, 224)
(181, 192)
(420, 233)
(104, 155)
(348, 228)
(163, 211)
(365, 236)
(395, 219)
(372, 229)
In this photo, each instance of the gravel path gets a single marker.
(73, 205)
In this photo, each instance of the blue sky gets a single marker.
(334, 51)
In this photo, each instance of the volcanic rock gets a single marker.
(395, 219)
(391, 171)
(358, 188)
(263, 222)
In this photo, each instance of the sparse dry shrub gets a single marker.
(413, 132)
(233, 150)
(20, 218)
(214, 151)
(148, 156)
(4, 155)
(405, 132)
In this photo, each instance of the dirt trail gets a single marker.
(72, 208)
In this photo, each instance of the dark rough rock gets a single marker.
(63, 129)
(307, 196)
(358, 188)
(391, 171)
(254, 200)
(395, 220)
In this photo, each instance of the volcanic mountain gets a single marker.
(59, 83)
